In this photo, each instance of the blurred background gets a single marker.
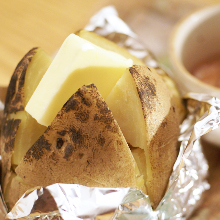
(27, 24)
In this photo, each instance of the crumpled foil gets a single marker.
(107, 24)
(186, 184)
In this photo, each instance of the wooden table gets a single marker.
(26, 24)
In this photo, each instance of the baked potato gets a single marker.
(125, 137)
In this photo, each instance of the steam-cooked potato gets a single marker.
(128, 138)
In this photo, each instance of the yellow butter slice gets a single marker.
(77, 63)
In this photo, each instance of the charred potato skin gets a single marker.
(83, 145)
(14, 102)
(162, 149)
(9, 129)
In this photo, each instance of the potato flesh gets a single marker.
(126, 107)
(28, 132)
(35, 71)
(139, 157)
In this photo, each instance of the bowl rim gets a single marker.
(174, 57)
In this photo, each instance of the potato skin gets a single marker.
(14, 100)
(162, 119)
(83, 145)
(14, 190)
(9, 130)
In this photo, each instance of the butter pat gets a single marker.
(77, 63)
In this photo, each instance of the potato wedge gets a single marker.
(83, 145)
(143, 106)
(162, 128)
(14, 103)
(20, 130)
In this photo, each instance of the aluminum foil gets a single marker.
(187, 182)
(107, 24)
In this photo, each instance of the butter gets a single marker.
(77, 63)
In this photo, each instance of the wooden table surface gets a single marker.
(46, 23)
(27, 24)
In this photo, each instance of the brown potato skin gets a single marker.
(15, 190)
(14, 102)
(83, 145)
(9, 130)
(45, 202)
(162, 128)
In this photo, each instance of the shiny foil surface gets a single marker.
(187, 182)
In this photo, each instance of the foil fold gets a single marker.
(107, 24)
(188, 179)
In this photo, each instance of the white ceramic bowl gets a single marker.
(196, 38)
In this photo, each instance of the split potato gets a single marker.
(129, 138)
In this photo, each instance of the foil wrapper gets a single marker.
(188, 179)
